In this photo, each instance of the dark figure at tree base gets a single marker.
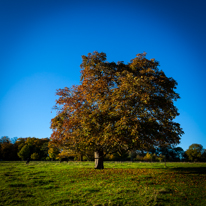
(64, 159)
(28, 160)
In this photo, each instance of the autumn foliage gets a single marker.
(117, 107)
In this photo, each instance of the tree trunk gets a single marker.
(98, 158)
(80, 157)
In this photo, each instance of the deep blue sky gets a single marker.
(41, 44)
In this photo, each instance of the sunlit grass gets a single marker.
(77, 183)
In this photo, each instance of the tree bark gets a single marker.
(99, 159)
(80, 157)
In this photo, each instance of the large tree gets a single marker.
(117, 107)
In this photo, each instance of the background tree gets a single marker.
(8, 150)
(0, 153)
(148, 157)
(40, 146)
(35, 145)
(35, 156)
(195, 152)
(132, 154)
(31, 143)
(20, 142)
(13, 140)
(203, 157)
(118, 107)
(53, 151)
(65, 154)
(171, 152)
(161, 157)
(139, 157)
(24, 153)
(5, 139)
(121, 156)
(179, 153)
(44, 149)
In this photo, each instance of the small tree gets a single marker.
(148, 157)
(161, 157)
(195, 152)
(24, 153)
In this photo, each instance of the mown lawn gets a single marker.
(77, 183)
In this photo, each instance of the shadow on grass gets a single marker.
(40, 182)
(65, 201)
(191, 170)
(93, 190)
(14, 202)
(8, 174)
(17, 185)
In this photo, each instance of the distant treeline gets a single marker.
(40, 149)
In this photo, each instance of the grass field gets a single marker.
(77, 183)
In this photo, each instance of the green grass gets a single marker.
(77, 183)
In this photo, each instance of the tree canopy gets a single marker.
(116, 107)
(195, 152)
